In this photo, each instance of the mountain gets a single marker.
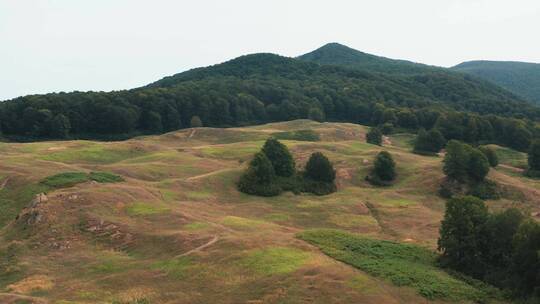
(521, 78)
(261, 88)
(338, 54)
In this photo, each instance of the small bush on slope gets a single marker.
(401, 264)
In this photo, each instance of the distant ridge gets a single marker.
(520, 78)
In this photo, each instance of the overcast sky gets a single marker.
(65, 45)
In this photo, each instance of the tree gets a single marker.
(196, 122)
(456, 161)
(384, 167)
(462, 235)
(431, 142)
(526, 260)
(533, 159)
(319, 168)
(259, 179)
(280, 157)
(154, 122)
(60, 126)
(316, 114)
(478, 166)
(374, 136)
(491, 155)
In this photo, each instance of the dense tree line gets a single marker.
(500, 249)
(265, 88)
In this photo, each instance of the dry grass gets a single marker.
(100, 243)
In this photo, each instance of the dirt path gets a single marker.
(12, 298)
(208, 244)
(4, 183)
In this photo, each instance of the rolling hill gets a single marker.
(160, 221)
(521, 78)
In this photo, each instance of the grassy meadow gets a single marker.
(158, 219)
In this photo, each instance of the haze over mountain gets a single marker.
(521, 78)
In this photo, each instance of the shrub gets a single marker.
(491, 155)
(300, 135)
(374, 136)
(105, 177)
(485, 190)
(196, 122)
(70, 179)
(384, 169)
(319, 176)
(280, 157)
(259, 179)
(316, 114)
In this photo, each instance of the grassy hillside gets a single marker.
(521, 78)
(160, 221)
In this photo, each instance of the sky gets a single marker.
(102, 45)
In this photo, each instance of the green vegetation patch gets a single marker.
(511, 157)
(70, 179)
(197, 226)
(275, 260)
(175, 268)
(145, 209)
(300, 135)
(241, 223)
(402, 264)
(94, 153)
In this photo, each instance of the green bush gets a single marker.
(491, 155)
(70, 179)
(279, 156)
(533, 160)
(319, 175)
(300, 135)
(485, 190)
(384, 170)
(401, 264)
(429, 142)
(260, 178)
(374, 136)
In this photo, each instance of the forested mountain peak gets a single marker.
(521, 78)
(338, 54)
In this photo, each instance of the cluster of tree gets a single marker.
(265, 88)
(501, 249)
(273, 170)
(466, 169)
(429, 143)
(384, 170)
(533, 160)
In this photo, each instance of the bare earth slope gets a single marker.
(177, 231)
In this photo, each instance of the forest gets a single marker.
(263, 88)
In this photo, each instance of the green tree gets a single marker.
(280, 157)
(374, 136)
(456, 161)
(259, 179)
(491, 155)
(431, 142)
(526, 260)
(462, 235)
(533, 159)
(478, 166)
(319, 168)
(316, 114)
(196, 122)
(384, 167)
(60, 126)
(154, 122)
